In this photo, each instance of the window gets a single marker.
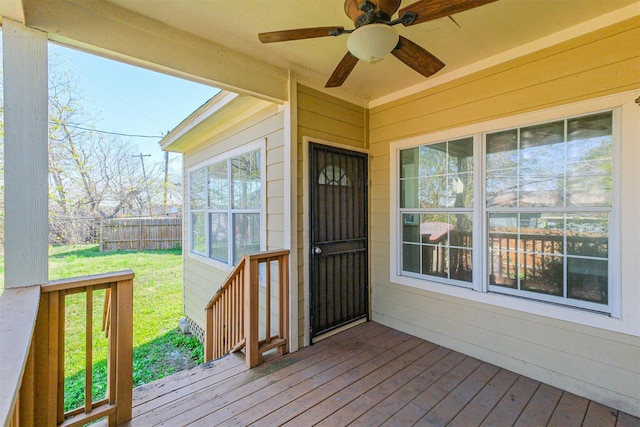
(436, 208)
(225, 201)
(538, 223)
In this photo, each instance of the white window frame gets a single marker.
(476, 230)
(259, 145)
(625, 127)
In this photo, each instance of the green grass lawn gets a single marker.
(159, 348)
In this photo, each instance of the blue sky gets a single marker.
(132, 100)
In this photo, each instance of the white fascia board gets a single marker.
(209, 109)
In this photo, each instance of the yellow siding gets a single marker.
(599, 364)
(201, 280)
(565, 73)
(329, 119)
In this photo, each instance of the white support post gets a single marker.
(26, 154)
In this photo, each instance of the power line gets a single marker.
(107, 132)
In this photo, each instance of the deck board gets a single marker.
(315, 388)
(368, 375)
(599, 416)
(481, 405)
(346, 407)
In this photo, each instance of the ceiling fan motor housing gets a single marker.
(370, 11)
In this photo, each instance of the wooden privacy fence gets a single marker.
(127, 234)
(40, 400)
(232, 315)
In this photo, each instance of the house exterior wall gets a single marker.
(600, 364)
(323, 119)
(203, 277)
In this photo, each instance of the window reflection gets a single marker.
(333, 175)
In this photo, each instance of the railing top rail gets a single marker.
(261, 256)
(18, 311)
(268, 254)
(91, 280)
(227, 282)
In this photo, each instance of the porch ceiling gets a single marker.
(231, 27)
(482, 32)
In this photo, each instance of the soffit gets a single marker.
(475, 35)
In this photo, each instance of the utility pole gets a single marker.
(146, 183)
(166, 181)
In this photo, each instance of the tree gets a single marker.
(92, 174)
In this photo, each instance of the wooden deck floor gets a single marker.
(369, 375)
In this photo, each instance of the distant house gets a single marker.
(492, 210)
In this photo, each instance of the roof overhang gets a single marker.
(219, 114)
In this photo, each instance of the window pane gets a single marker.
(541, 165)
(197, 189)
(245, 180)
(411, 258)
(198, 237)
(589, 160)
(433, 159)
(461, 190)
(409, 193)
(503, 244)
(246, 235)
(502, 172)
(435, 228)
(538, 189)
(446, 245)
(589, 184)
(435, 260)
(460, 239)
(541, 250)
(588, 234)
(461, 155)
(410, 228)
(219, 236)
(502, 149)
(409, 163)
(587, 280)
(433, 192)
(541, 273)
(218, 186)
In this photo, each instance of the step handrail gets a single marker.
(232, 314)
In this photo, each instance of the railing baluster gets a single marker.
(88, 373)
(106, 310)
(54, 389)
(251, 306)
(283, 298)
(111, 376)
(267, 280)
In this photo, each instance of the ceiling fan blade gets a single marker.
(342, 71)
(417, 57)
(427, 10)
(299, 34)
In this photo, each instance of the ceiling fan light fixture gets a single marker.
(372, 42)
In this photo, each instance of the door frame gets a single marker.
(306, 224)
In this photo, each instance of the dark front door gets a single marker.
(339, 249)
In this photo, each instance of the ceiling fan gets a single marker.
(374, 35)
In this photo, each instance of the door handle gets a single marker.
(317, 250)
